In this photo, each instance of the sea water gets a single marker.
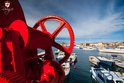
(82, 73)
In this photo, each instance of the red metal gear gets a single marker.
(63, 24)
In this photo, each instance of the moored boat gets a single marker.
(119, 63)
(102, 75)
(93, 60)
(119, 49)
(66, 68)
(77, 46)
(89, 48)
(96, 61)
(71, 59)
(60, 55)
(106, 61)
(57, 51)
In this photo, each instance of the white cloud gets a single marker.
(94, 26)
(85, 16)
(98, 27)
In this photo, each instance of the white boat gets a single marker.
(60, 55)
(119, 63)
(119, 49)
(57, 51)
(71, 59)
(89, 48)
(66, 68)
(93, 60)
(77, 46)
(41, 53)
(102, 75)
(120, 69)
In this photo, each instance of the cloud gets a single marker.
(88, 18)
(98, 27)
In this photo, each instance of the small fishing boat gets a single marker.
(105, 61)
(57, 51)
(71, 59)
(119, 49)
(89, 48)
(77, 46)
(60, 55)
(119, 63)
(66, 68)
(94, 60)
(102, 75)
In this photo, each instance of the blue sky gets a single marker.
(91, 20)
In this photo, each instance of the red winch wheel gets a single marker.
(63, 24)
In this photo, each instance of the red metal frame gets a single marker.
(18, 49)
(63, 24)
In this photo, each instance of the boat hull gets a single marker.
(111, 51)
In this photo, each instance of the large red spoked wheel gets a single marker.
(63, 24)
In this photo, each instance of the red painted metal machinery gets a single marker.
(19, 61)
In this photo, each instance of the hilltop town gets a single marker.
(102, 44)
(96, 44)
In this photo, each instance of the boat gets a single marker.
(120, 71)
(119, 49)
(89, 48)
(96, 61)
(93, 60)
(41, 53)
(102, 75)
(71, 59)
(57, 51)
(77, 46)
(112, 61)
(119, 63)
(66, 68)
(105, 61)
(60, 55)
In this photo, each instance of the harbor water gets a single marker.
(82, 73)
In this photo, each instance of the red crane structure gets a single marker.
(19, 60)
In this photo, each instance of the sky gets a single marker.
(91, 20)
